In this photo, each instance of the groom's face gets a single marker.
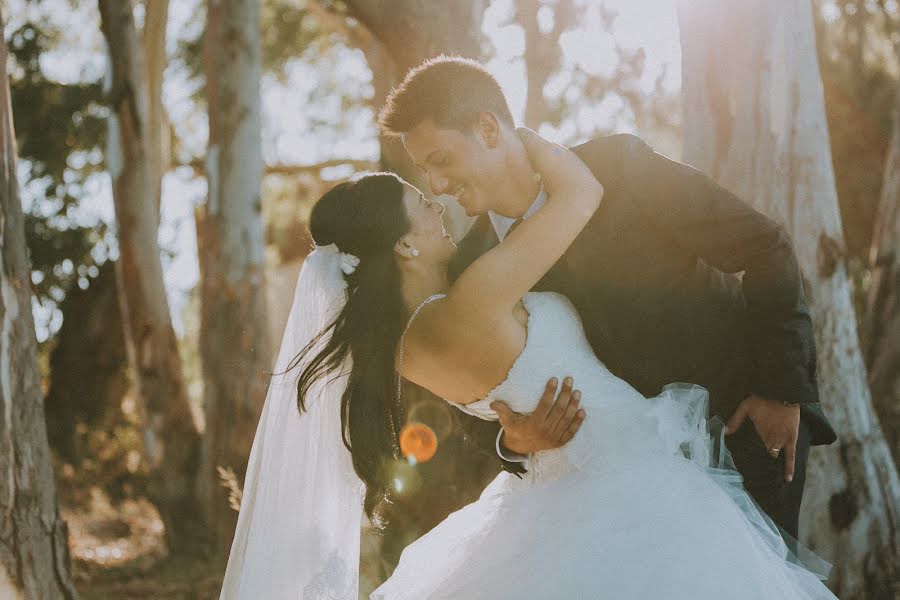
(468, 166)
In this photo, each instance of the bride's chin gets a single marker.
(450, 255)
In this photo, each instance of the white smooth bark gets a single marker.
(882, 318)
(234, 341)
(755, 121)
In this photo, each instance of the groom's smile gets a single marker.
(456, 163)
(459, 192)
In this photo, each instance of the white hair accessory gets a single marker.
(347, 262)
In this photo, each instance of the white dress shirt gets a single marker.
(502, 226)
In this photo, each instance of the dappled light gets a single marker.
(162, 165)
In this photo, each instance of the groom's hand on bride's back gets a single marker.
(553, 423)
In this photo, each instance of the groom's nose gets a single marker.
(439, 185)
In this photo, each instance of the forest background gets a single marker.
(161, 161)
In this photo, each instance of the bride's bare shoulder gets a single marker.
(449, 330)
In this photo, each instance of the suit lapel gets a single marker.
(515, 224)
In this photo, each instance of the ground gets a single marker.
(118, 553)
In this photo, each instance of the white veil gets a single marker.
(298, 531)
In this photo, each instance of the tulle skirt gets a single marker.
(668, 519)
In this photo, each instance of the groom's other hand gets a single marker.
(553, 423)
(777, 423)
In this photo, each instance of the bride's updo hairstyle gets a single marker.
(365, 218)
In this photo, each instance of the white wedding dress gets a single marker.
(643, 503)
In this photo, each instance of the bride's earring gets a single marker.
(412, 249)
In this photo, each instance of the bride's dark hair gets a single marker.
(364, 217)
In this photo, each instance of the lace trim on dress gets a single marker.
(333, 582)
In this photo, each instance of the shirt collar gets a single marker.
(502, 223)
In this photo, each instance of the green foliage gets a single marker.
(62, 256)
(323, 93)
(54, 120)
(571, 88)
(60, 131)
(286, 31)
(857, 42)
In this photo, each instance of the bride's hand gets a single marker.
(561, 171)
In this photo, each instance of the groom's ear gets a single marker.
(487, 126)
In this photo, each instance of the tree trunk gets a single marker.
(859, 46)
(154, 42)
(407, 32)
(402, 34)
(411, 31)
(85, 385)
(755, 121)
(882, 318)
(171, 439)
(34, 556)
(234, 342)
(542, 55)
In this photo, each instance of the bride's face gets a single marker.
(427, 233)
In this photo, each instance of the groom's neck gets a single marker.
(518, 196)
(520, 186)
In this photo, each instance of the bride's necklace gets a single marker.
(415, 313)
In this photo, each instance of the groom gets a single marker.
(654, 275)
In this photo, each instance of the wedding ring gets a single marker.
(774, 451)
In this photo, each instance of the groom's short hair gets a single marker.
(449, 90)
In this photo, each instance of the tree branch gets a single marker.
(199, 166)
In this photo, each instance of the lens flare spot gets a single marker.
(418, 442)
(436, 415)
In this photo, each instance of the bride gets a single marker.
(643, 502)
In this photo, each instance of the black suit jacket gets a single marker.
(654, 278)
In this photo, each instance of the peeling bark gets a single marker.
(755, 121)
(34, 555)
(882, 319)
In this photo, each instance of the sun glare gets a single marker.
(649, 25)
